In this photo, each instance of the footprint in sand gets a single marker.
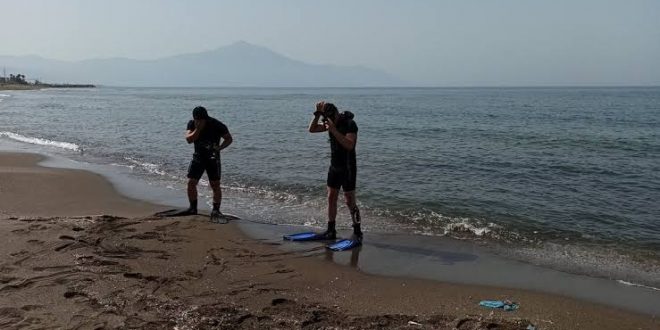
(10, 316)
(7, 279)
(28, 308)
(71, 294)
(146, 236)
(35, 227)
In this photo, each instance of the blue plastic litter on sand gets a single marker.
(505, 305)
(343, 245)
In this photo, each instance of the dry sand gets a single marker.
(62, 268)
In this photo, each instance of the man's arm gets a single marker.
(314, 126)
(347, 141)
(193, 135)
(226, 141)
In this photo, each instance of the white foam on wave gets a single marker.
(466, 227)
(638, 285)
(122, 165)
(40, 141)
(436, 224)
(264, 192)
(5, 95)
(151, 168)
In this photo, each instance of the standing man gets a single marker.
(343, 166)
(206, 132)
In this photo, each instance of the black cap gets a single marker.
(200, 113)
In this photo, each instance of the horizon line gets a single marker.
(396, 87)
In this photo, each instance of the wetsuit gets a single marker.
(207, 156)
(343, 165)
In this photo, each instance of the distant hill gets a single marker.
(237, 65)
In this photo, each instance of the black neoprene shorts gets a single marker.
(211, 165)
(344, 178)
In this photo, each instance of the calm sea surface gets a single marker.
(565, 177)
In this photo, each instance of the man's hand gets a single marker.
(329, 125)
(199, 124)
(314, 126)
(319, 108)
(192, 136)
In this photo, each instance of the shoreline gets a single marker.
(621, 266)
(21, 87)
(268, 281)
(17, 87)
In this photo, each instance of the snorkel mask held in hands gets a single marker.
(329, 112)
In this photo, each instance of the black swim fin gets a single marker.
(176, 213)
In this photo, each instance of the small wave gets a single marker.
(5, 95)
(151, 168)
(637, 285)
(264, 192)
(122, 165)
(40, 141)
(461, 230)
(466, 227)
(431, 223)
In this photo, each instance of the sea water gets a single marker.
(568, 178)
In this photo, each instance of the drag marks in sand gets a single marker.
(111, 272)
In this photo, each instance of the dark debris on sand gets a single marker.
(287, 314)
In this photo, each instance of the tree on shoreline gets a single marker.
(19, 79)
(15, 79)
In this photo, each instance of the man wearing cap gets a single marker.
(206, 132)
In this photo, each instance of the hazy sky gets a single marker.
(434, 42)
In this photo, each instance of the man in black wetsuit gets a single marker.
(206, 132)
(343, 166)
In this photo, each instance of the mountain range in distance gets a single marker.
(240, 64)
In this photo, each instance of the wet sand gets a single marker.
(78, 255)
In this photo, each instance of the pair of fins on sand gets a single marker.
(341, 245)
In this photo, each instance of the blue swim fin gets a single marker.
(345, 244)
(312, 236)
(306, 236)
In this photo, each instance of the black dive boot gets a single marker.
(330, 233)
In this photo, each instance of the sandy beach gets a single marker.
(76, 254)
(17, 87)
